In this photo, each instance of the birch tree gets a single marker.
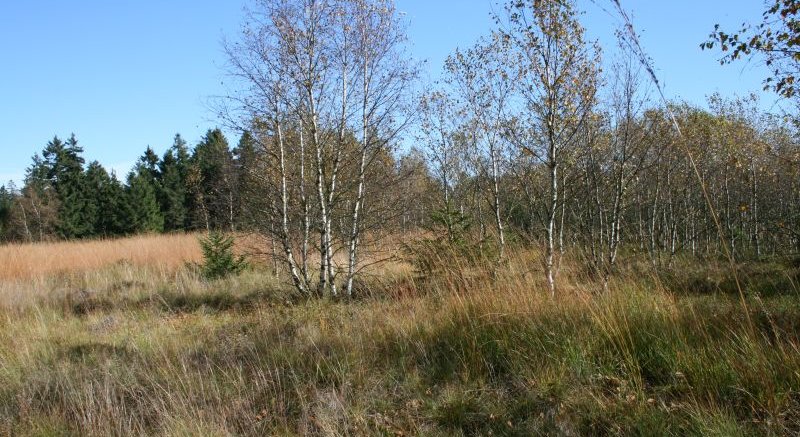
(384, 74)
(616, 152)
(322, 85)
(480, 80)
(557, 79)
(439, 127)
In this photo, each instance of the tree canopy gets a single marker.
(775, 40)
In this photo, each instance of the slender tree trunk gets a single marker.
(274, 248)
(304, 201)
(39, 222)
(551, 219)
(728, 219)
(231, 215)
(354, 231)
(640, 224)
(28, 235)
(563, 217)
(754, 214)
(653, 218)
(496, 197)
(324, 273)
(287, 243)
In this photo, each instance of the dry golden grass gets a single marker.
(29, 261)
(148, 347)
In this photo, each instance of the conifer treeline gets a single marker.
(63, 197)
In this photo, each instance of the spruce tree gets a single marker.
(143, 203)
(96, 181)
(107, 195)
(216, 183)
(6, 201)
(118, 221)
(64, 165)
(172, 196)
(245, 163)
(37, 175)
(149, 164)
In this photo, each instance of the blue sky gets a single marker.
(126, 74)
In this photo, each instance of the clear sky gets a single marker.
(125, 74)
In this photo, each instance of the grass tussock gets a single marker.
(483, 352)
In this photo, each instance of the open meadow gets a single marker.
(400, 218)
(141, 344)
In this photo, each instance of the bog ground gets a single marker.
(142, 345)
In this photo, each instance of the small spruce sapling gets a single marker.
(219, 260)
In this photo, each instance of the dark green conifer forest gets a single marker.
(187, 188)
